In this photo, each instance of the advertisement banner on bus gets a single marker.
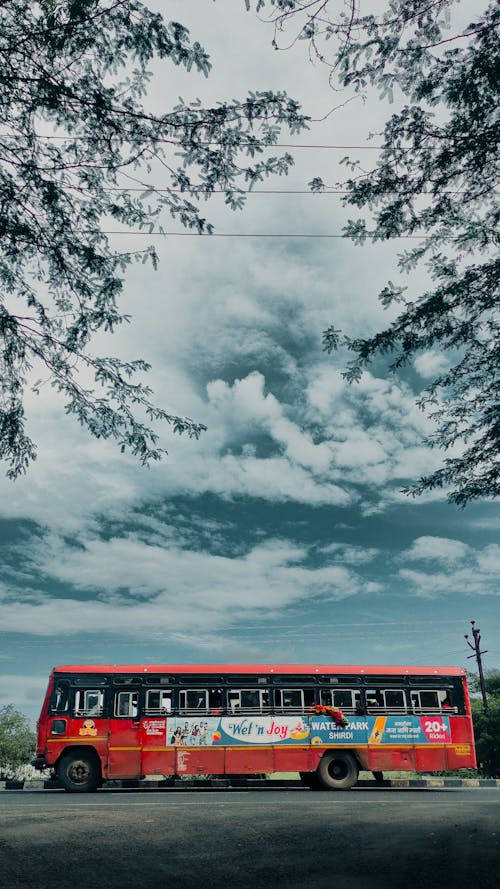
(380, 730)
(299, 730)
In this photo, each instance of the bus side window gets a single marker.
(60, 698)
(387, 699)
(88, 702)
(342, 698)
(429, 700)
(425, 701)
(158, 700)
(395, 699)
(264, 699)
(291, 698)
(193, 699)
(446, 701)
(374, 699)
(256, 699)
(326, 697)
(215, 699)
(250, 699)
(309, 697)
(127, 703)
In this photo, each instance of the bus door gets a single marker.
(125, 735)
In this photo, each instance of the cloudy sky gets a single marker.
(281, 535)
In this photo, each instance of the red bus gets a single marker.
(102, 723)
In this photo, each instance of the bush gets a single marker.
(487, 735)
(17, 743)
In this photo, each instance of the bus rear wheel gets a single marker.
(338, 771)
(79, 772)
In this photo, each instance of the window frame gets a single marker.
(384, 707)
(419, 707)
(293, 708)
(61, 697)
(161, 710)
(130, 694)
(184, 709)
(235, 706)
(331, 691)
(86, 709)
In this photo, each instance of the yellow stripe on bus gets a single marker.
(460, 748)
(80, 740)
(310, 747)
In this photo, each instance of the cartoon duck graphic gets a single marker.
(300, 731)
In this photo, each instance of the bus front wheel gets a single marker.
(338, 771)
(79, 772)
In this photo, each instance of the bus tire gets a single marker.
(338, 771)
(310, 779)
(79, 772)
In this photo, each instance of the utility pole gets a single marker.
(476, 648)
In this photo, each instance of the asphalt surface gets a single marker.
(362, 839)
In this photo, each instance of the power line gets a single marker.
(199, 191)
(157, 234)
(364, 624)
(321, 625)
(407, 638)
(202, 142)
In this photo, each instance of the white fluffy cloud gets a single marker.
(373, 428)
(440, 549)
(317, 448)
(131, 586)
(245, 404)
(450, 568)
(430, 364)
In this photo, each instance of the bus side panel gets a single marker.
(246, 760)
(315, 755)
(124, 749)
(430, 758)
(461, 756)
(199, 760)
(158, 760)
(461, 730)
(158, 752)
(293, 759)
(401, 758)
(66, 733)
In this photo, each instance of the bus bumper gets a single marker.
(40, 763)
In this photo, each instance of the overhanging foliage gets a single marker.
(435, 181)
(77, 145)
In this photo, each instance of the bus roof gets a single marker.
(263, 669)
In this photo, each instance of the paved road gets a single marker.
(295, 839)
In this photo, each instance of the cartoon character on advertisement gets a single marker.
(176, 737)
(377, 730)
(203, 734)
(299, 731)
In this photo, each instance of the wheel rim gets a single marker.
(79, 771)
(338, 769)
